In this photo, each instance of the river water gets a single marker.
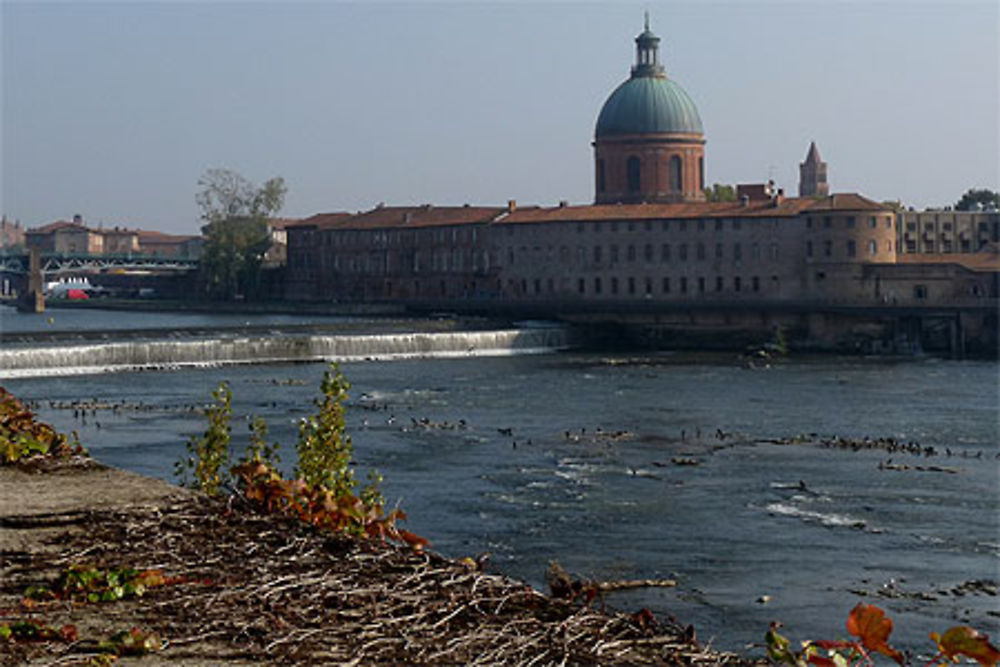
(684, 466)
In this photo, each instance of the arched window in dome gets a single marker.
(600, 175)
(632, 170)
(701, 173)
(675, 173)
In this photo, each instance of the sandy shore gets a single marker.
(251, 589)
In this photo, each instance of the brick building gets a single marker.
(651, 242)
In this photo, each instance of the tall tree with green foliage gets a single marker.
(236, 214)
(972, 197)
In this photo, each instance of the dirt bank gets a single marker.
(242, 588)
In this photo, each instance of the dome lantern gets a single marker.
(647, 60)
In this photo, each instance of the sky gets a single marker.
(115, 110)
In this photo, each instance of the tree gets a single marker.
(973, 197)
(236, 233)
(720, 192)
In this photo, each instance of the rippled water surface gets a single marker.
(588, 473)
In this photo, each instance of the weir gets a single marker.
(32, 361)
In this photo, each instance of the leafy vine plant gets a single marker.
(323, 490)
(872, 628)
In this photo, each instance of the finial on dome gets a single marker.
(647, 19)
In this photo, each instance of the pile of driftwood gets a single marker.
(246, 587)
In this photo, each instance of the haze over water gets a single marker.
(592, 480)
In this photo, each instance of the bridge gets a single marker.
(64, 265)
(24, 274)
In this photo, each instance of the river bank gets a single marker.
(246, 588)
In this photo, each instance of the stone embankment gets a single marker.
(239, 588)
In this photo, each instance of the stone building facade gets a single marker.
(651, 243)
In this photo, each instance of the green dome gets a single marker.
(646, 104)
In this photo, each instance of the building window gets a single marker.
(630, 253)
(920, 291)
(755, 283)
(737, 284)
(701, 173)
(597, 285)
(873, 248)
(827, 222)
(872, 222)
(682, 252)
(632, 172)
(675, 174)
(581, 286)
(649, 286)
(614, 226)
(809, 222)
(827, 248)
(737, 224)
(665, 252)
(648, 225)
(718, 251)
(666, 225)
(718, 283)
(701, 251)
(614, 254)
(701, 285)
(597, 254)
(701, 225)
(666, 285)
(774, 250)
(684, 285)
(648, 252)
(600, 175)
(851, 249)
(538, 286)
(614, 285)
(850, 221)
(718, 225)
(737, 252)
(631, 285)
(683, 225)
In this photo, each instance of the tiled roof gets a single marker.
(393, 217)
(409, 217)
(281, 223)
(987, 259)
(56, 226)
(846, 201)
(598, 212)
(148, 237)
(321, 220)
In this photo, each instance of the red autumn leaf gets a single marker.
(963, 640)
(869, 624)
(821, 661)
(69, 633)
(415, 541)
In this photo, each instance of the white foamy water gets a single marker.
(89, 358)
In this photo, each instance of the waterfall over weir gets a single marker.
(75, 359)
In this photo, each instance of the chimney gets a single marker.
(77, 219)
(745, 200)
(563, 203)
(511, 205)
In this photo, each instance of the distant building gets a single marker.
(812, 175)
(64, 237)
(11, 233)
(947, 232)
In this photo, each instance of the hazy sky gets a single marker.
(115, 110)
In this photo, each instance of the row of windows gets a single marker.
(666, 252)
(850, 222)
(633, 286)
(384, 237)
(851, 248)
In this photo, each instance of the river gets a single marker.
(668, 465)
